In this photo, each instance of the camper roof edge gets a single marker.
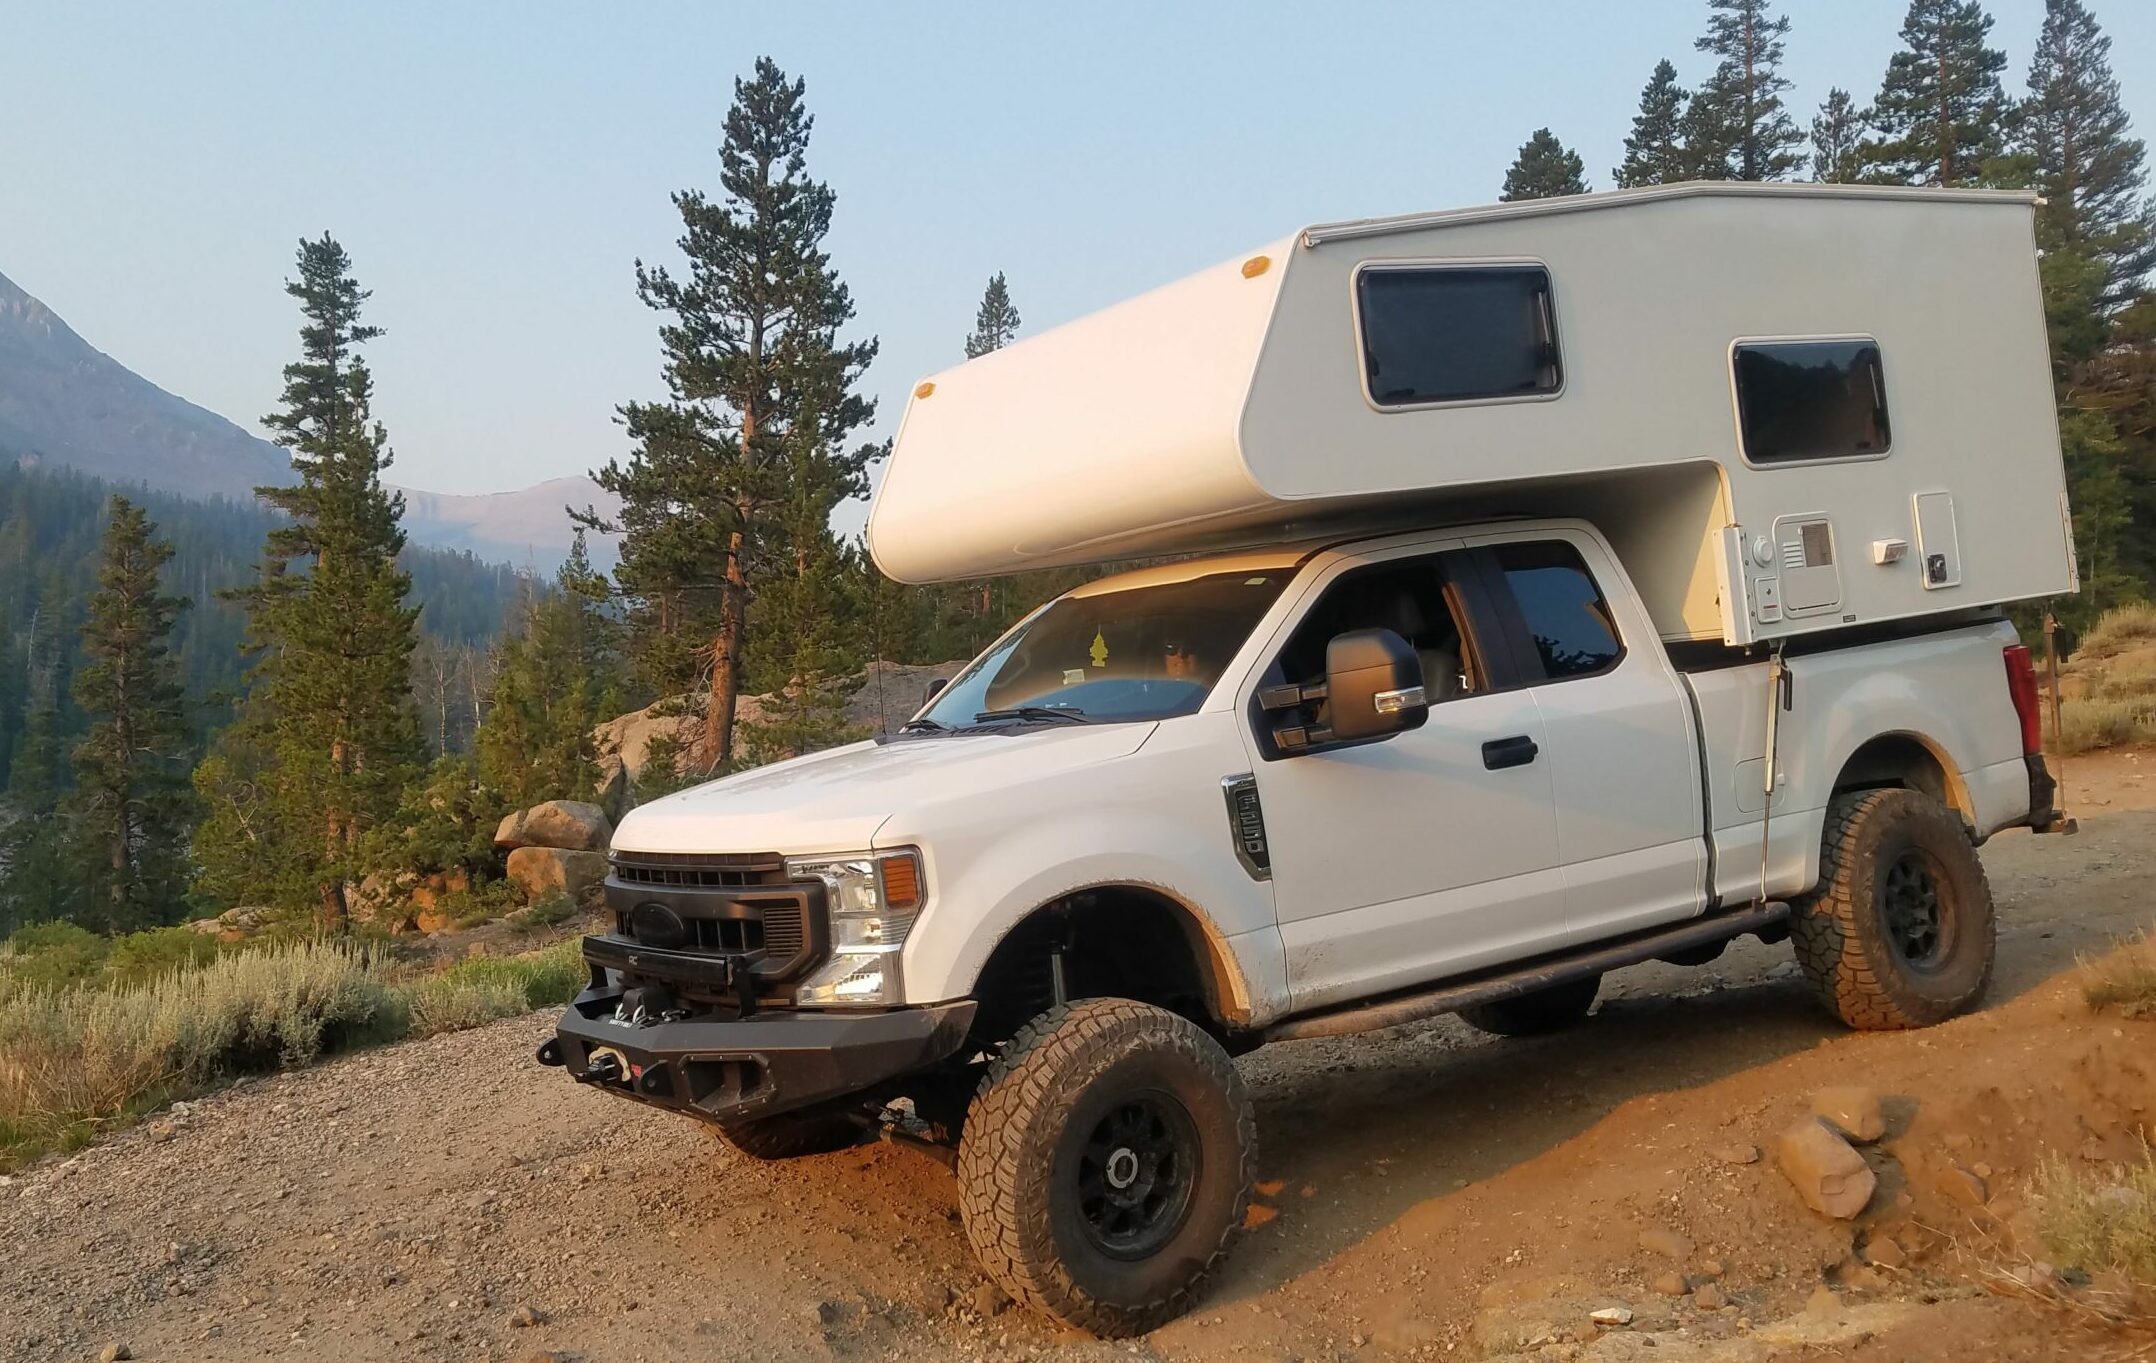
(1356, 228)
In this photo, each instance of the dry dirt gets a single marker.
(1428, 1193)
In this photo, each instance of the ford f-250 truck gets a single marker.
(1325, 788)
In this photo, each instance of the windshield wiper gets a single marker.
(924, 725)
(1069, 713)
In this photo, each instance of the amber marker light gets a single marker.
(923, 389)
(1256, 266)
(900, 873)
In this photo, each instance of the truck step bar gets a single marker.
(1527, 979)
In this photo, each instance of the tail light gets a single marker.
(2021, 684)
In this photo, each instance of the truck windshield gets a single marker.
(1144, 653)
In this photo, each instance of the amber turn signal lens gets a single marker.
(923, 389)
(901, 876)
(1256, 266)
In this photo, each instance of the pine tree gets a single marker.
(331, 699)
(1837, 140)
(1941, 114)
(996, 324)
(40, 877)
(720, 494)
(2093, 176)
(1654, 152)
(129, 810)
(1744, 124)
(1544, 169)
(553, 686)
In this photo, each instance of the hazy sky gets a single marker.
(495, 169)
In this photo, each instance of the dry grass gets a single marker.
(2110, 699)
(2119, 629)
(2125, 980)
(2099, 1220)
(78, 1059)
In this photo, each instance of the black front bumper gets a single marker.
(725, 1069)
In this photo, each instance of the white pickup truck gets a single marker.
(1310, 790)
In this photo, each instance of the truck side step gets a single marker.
(1526, 979)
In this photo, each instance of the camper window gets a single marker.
(1434, 334)
(1803, 400)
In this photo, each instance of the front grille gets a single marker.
(732, 904)
(700, 870)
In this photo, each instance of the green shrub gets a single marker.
(2093, 1220)
(2118, 628)
(2087, 723)
(143, 956)
(551, 911)
(481, 989)
(52, 955)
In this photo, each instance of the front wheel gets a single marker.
(1107, 1158)
(1900, 931)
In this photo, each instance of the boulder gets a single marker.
(1852, 1110)
(571, 825)
(1826, 1170)
(380, 900)
(540, 871)
(615, 790)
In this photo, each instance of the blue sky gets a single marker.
(495, 169)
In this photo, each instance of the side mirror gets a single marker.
(934, 688)
(1373, 685)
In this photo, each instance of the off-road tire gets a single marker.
(1035, 1123)
(1845, 935)
(791, 1135)
(1545, 1010)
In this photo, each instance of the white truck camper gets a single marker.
(1537, 590)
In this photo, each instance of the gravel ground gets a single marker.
(449, 1199)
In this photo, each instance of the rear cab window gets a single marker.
(1564, 626)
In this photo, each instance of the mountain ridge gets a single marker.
(64, 402)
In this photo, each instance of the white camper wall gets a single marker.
(1229, 409)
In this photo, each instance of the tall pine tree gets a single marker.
(729, 489)
(1544, 169)
(1838, 140)
(1743, 123)
(1941, 114)
(330, 709)
(1654, 151)
(128, 813)
(996, 324)
(2093, 176)
(553, 685)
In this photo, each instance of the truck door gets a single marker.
(1621, 745)
(1431, 852)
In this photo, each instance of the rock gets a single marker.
(988, 1300)
(1611, 1317)
(114, 1353)
(615, 790)
(1665, 1242)
(427, 895)
(571, 825)
(1885, 1251)
(1670, 1283)
(524, 1317)
(1827, 1172)
(1710, 1268)
(540, 871)
(1851, 1110)
(1737, 1154)
(1708, 1297)
(1963, 1186)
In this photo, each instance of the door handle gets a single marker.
(1516, 751)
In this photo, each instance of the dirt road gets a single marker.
(1428, 1193)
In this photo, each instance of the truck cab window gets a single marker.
(1562, 610)
(1412, 599)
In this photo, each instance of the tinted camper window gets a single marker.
(1811, 400)
(1457, 334)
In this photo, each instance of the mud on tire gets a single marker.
(1545, 1010)
(1900, 932)
(1107, 1159)
(790, 1135)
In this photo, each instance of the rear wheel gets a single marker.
(1106, 1160)
(790, 1135)
(1545, 1010)
(1900, 932)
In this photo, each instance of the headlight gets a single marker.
(872, 897)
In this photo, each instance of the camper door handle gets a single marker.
(1516, 751)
